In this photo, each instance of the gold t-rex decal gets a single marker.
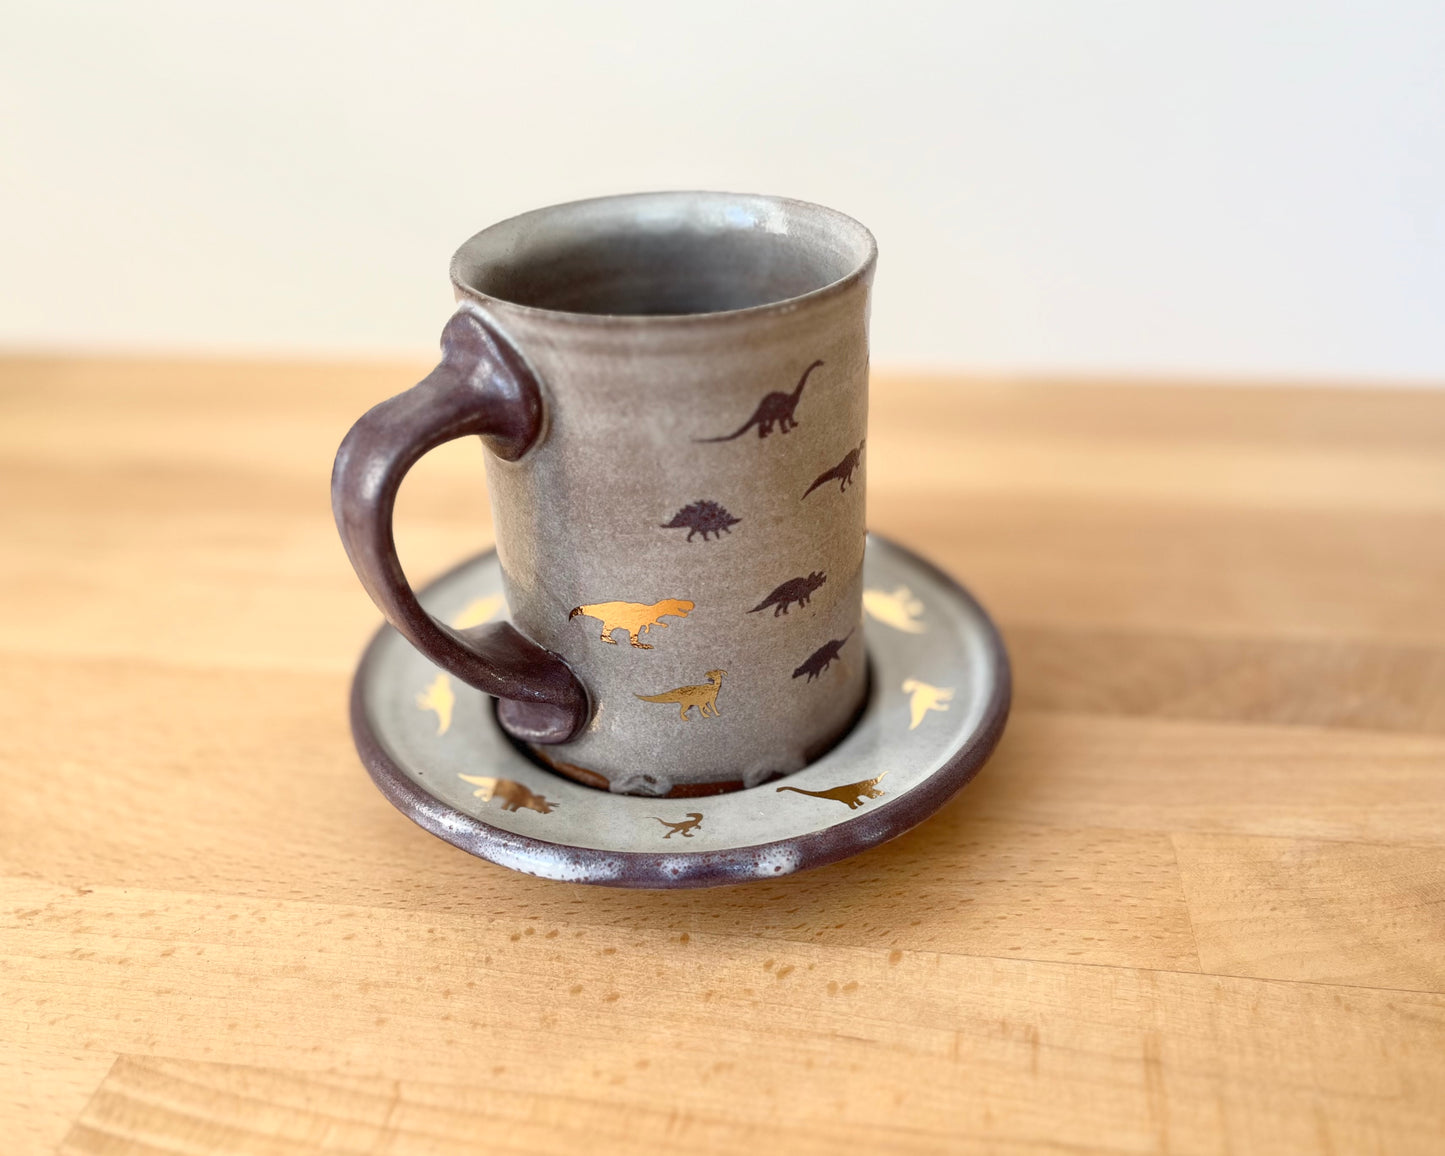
(633, 617)
(514, 796)
(685, 828)
(852, 794)
(899, 610)
(925, 698)
(703, 697)
(439, 697)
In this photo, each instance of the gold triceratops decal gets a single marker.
(852, 794)
(899, 609)
(514, 796)
(633, 617)
(439, 697)
(925, 698)
(703, 697)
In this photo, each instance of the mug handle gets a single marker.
(481, 386)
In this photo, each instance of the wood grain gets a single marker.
(1351, 913)
(1195, 903)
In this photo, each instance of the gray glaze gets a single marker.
(657, 324)
(932, 644)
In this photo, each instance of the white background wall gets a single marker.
(1186, 186)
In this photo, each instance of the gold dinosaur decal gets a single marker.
(477, 611)
(440, 698)
(633, 617)
(514, 796)
(685, 827)
(703, 697)
(899, 609)
(852, 794)
(925, 698)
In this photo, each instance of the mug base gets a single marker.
(547, 758)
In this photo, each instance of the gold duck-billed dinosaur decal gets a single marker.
(703, 697)
(514, 796)
(851, 794)
(633, 617)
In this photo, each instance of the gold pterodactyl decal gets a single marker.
(852, 794)
(477, 611)
(685, 827)
(439, 697)
(633, 617)
(899, 609)
(703, 697)
(514, 796)
(925, 698)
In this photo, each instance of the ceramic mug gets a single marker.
(673, 388)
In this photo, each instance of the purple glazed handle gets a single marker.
(482, 386)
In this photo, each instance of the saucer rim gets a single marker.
(657, 870)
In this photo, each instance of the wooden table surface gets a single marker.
(1195, 904)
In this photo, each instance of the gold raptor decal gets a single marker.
(684, 827)
(852, 794)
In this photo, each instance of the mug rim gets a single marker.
(471, 251)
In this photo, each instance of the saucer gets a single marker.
(936, 707)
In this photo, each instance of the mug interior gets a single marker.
(664, 254)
